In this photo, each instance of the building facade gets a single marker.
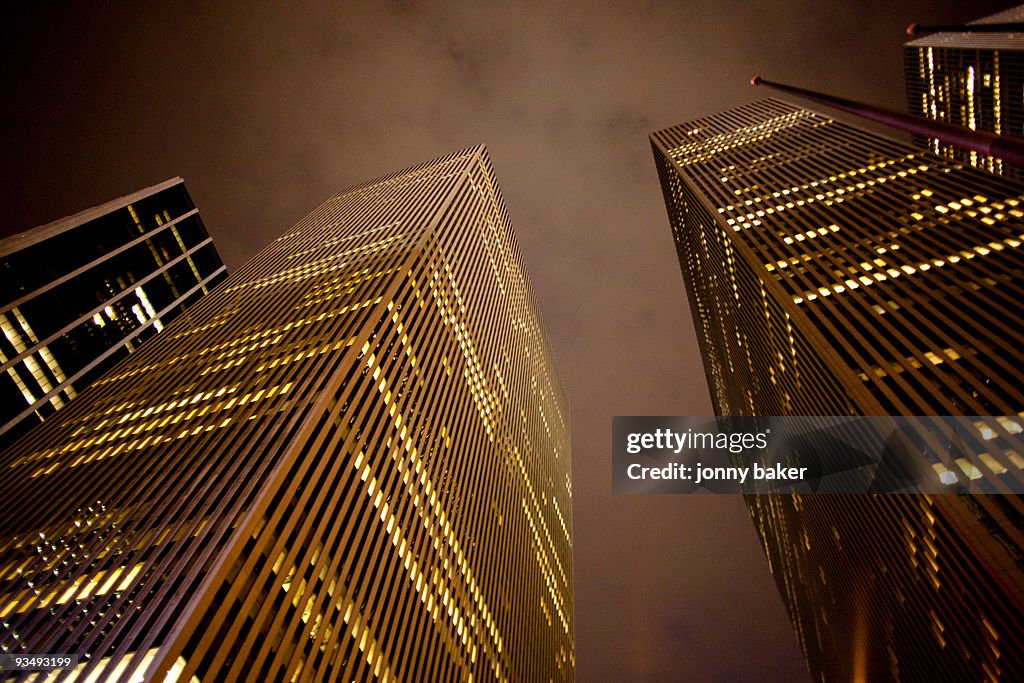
(971, 79)
(81, 293)
(351, 462)
(831, 271)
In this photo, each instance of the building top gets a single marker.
(21, 240)
(866, 220)
(416, 172)
(981, 41)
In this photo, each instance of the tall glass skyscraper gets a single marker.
(831, 271)
(971, 79)
(351, 462)
(81, 293)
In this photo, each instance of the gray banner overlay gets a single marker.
(877, 455)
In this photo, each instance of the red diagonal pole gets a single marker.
(1007, 148)
(921, 29)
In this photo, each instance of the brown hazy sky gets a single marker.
(267, 109)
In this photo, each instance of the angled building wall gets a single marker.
(351, 464)
(834, 272)
(83, 292)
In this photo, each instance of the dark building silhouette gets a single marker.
(973, 79)
(351, 462)
(81, 293)
(831, 271)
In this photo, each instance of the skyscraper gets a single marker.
(972, 79)
(80, 293)
(831, 271)
(350, 463)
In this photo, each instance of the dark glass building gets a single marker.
(971, 79)
(831, 271)
(81, 293)
(350, 463)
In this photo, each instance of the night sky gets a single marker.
(267, 110)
